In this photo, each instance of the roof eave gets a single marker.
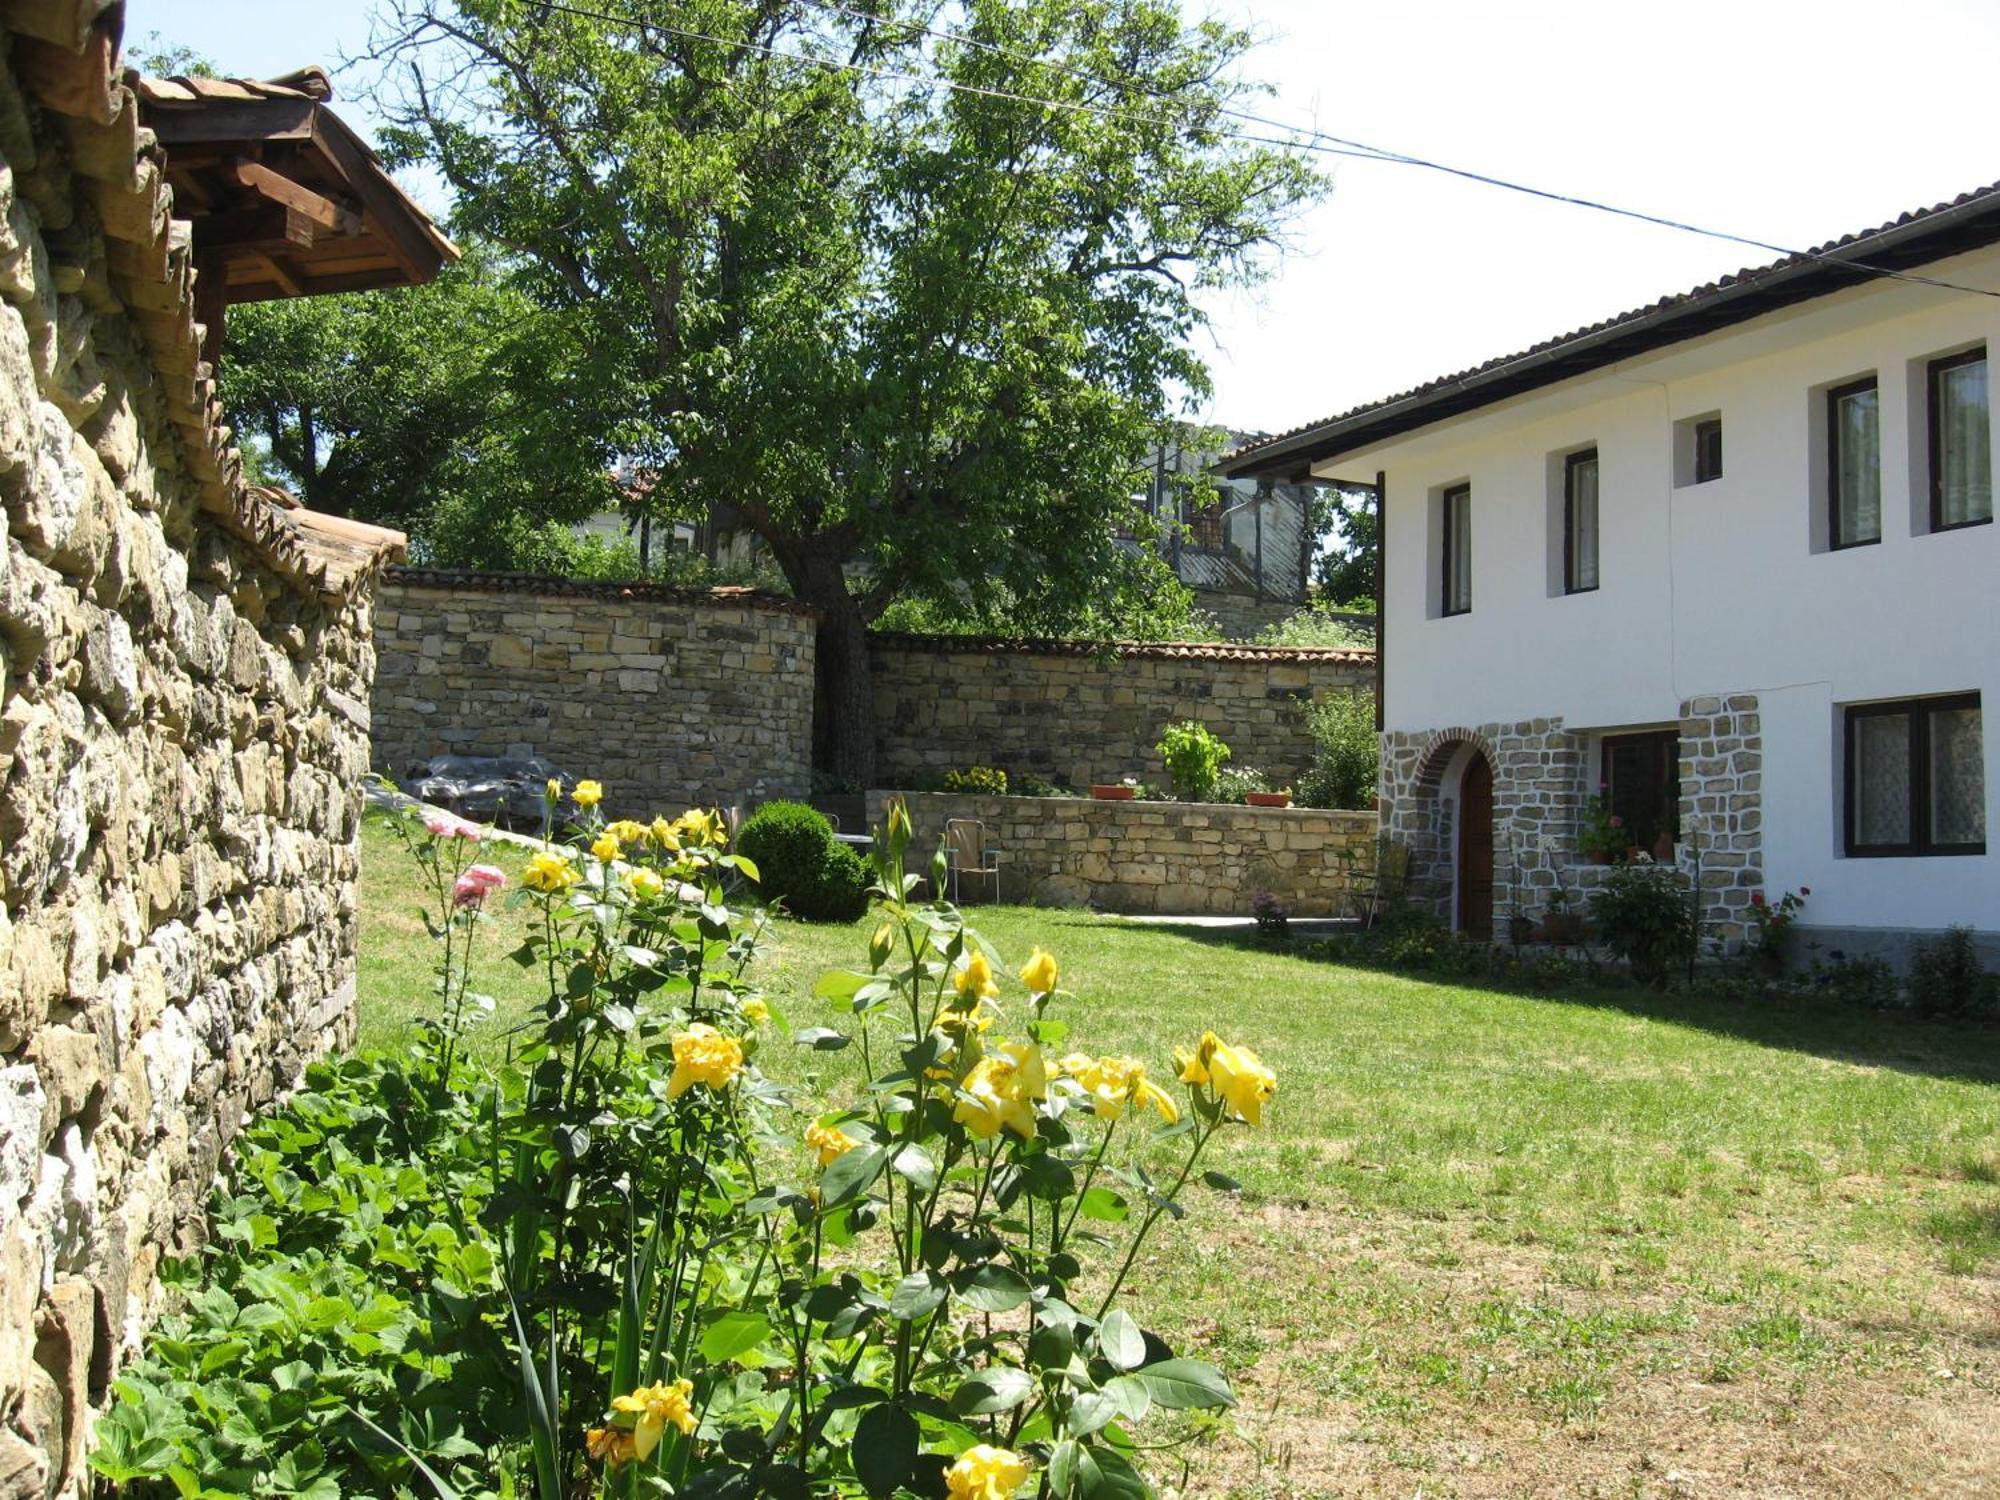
(1935, 236)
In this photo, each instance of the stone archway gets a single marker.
(1423, 779)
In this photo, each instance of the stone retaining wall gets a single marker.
(670, 697)
(1076, 713)
(183, 722)
(1153, 858)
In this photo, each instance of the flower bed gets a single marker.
(1154, 858)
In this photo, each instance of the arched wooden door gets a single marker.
(1475, 850)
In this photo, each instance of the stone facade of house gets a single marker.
(1076, 713)
(1177, 858)
(184, 669)
(1542, 781)
(671, 697)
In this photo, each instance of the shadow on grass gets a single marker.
(1964, 1051)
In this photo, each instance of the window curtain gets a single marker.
(1958, 778)
(1882, 779)
(1965, 445)
(1583, 524)
(1459, 521)
(1859, 454)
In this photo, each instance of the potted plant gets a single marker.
(1602, 839)
(1115, 791)
(1194, 758)
(1560, 924)
(1269, 799)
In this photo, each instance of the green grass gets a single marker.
(1499, 1244)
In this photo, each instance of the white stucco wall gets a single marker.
(1721, 587)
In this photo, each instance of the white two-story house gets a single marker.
(1727, 562)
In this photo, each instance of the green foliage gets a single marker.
(985, 780)
(450, 410)
(1603, 833)
(1347, 752)
(800, 863)
(1194, 758)
(1345, 572)
(1234, 783)
(1028, 784)
(927, 330)
(1645, 915)
(605, 1266)
(1947, 979)
(1315, 625)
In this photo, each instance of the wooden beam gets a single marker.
(389, 213)
(231, 122)
(253, 229)
(279, 188)
(287, 282)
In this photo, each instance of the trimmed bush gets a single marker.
(1644, 914)
(1947, 979)
(800, 863)
(1348, 752)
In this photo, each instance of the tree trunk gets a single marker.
(844, 696)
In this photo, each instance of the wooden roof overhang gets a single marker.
(284, 199)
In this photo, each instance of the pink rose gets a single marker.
(1616, 821)
(470, 888)
(446, 825)
(1756, 898)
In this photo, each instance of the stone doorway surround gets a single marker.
(1542, 776)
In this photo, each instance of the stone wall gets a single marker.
(184, 671)
(1176, 858)
(1542, 780)
(670, 697)
(1076, 713)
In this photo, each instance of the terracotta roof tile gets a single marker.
(986, 645)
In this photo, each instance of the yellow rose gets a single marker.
(899, 820)
(588, 793)
(1111, 1083)
(984, 1472)
(666, 835)
(1239, 1077)
(974, 982)
(611, 1445)
(626, 831)
(704, 1055)
(645, 884)
(1031, 1076)
(702, 827)
(604, 847)
(992, 1100)
(829, 1143)
(656, 1406)
(550, 874)
(1039, 973)
(555, 790)
(756, 1011)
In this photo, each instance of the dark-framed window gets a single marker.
(1641, 780)
(1915, 779)
(1456, 595)
(1961, 438)
(1854, 464)
(1580, 522)
(1707, 450)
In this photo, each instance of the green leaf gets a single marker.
(733, 1334)
(852, 1174)
(990, 1288)
(884, 1450)
(1120, 1341)
(1103, 1205)
(1090, 1412)
(1221, 1182)
(914, 1165)
(822, 1039)
(1001, 1388)
(1185, 1384)
(917, 1295)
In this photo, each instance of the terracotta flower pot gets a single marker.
(1114, 792)
(1268, 799)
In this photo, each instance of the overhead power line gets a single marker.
(1296, 137)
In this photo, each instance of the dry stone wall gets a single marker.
(1076, 713)
(183, 727)
(1176, 858)
(671, 697)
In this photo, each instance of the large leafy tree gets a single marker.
(451, 410)
(915, 307)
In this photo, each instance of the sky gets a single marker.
(1788, 121)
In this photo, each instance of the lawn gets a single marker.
(1494, 1244)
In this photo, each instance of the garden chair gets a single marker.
(1372, 892)
(971, 852)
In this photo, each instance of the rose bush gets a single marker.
(624, 1260)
